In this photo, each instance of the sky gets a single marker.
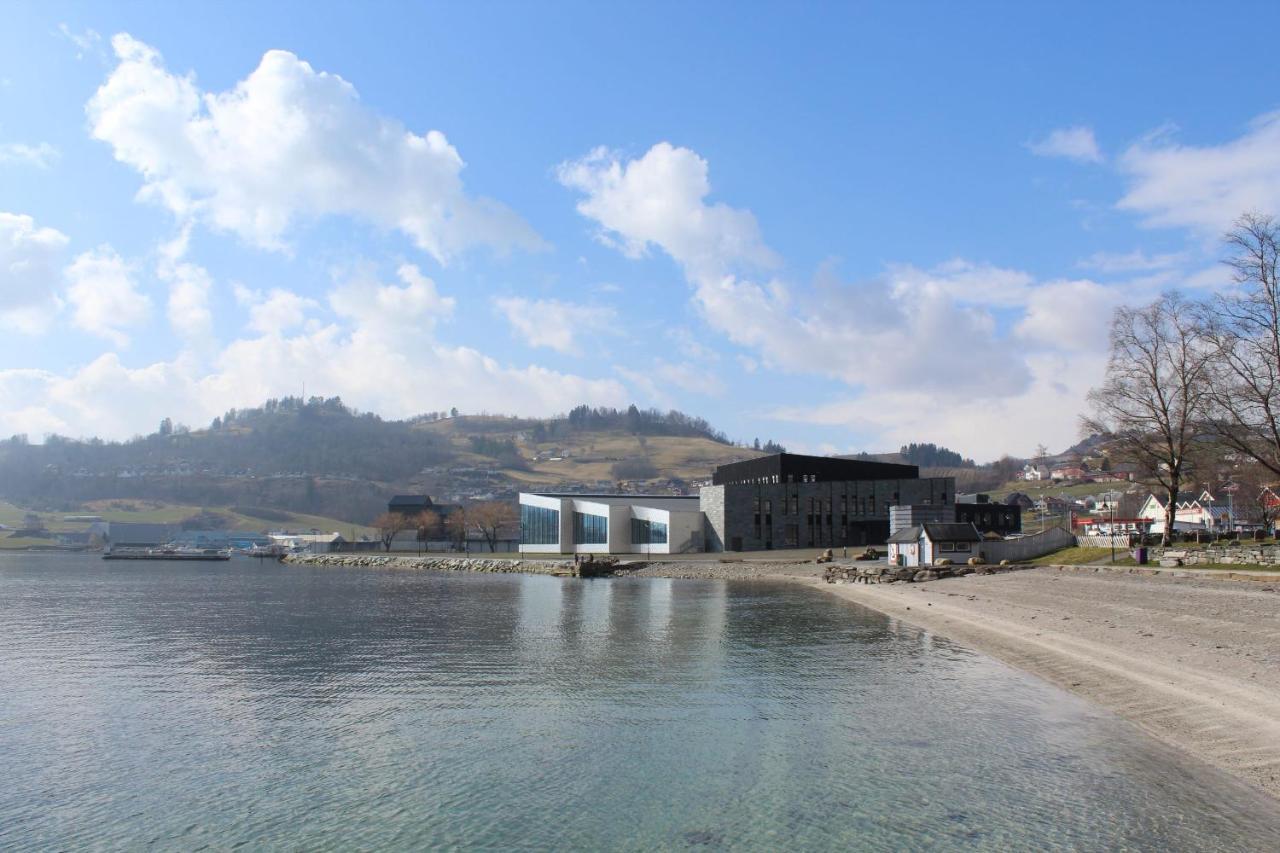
(844, 227)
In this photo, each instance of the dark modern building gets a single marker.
(987, 515)
(415, 505)
(792, 501)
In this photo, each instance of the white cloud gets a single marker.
(1204, 188)
(87, 42)
(31, 259)
(378, 354)
(658, 200)
(659, 380)
(554, 324)
(104, 296)
(413, 308)
(188, 309)
(1074, 143)
(41, 156)
(1135, 261)
(1071, 316)
(286, 143)
(1047, 412)
(873, 334)
(274, 311)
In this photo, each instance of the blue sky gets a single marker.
(842, 227)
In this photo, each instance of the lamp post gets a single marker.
(1111, 499)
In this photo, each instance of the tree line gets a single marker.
(1192, 388)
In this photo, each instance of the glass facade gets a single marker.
(648, 532)
(539, 525)
(590, 529)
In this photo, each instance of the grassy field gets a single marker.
(590, 456)
(1078, 556)
(1047, 488)
(154, 512)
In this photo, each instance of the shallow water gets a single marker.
(246, 704)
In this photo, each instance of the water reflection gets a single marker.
(293, 707)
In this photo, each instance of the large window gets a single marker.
(644, 532)
(590, 529)
(539, 525)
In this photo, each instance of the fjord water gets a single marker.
(183, 705)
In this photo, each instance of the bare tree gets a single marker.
(1243, 331)
(389, 524)
(1252, 489)
(428, 524)
(1153, 402)
(455, 525)
(491, 519)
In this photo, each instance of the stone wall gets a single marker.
(1240, 555)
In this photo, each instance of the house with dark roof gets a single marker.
(410, 504)
(926, 544)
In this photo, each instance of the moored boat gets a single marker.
(166, 552)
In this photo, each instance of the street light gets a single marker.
(1111, 499)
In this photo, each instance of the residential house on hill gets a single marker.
(1193, 511)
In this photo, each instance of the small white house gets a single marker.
(926, 544)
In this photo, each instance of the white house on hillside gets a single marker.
(1192, 512)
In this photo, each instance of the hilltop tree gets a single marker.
(1242, 328)
(1153, 402)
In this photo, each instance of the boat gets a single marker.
(167, 552)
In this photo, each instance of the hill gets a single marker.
(321, 458)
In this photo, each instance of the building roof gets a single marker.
(666, 502)
(905, 536)
(798, 468)
(951, 532)
(409, 502)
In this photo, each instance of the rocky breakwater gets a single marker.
(561, 568)
(846, 573)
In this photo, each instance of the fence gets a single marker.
(1116, 540)
(1027, 547)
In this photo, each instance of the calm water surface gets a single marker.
(187, 705)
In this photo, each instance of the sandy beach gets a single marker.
(1193, 662)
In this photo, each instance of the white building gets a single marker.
(310, 543)
(553, 523)
(1192, 512)
(925, 544)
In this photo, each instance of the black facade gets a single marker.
(990, 517)
(791, 501)
(414, 505)
(797, 468)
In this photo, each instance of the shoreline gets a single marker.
(1159, 670)
(1191, 660)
